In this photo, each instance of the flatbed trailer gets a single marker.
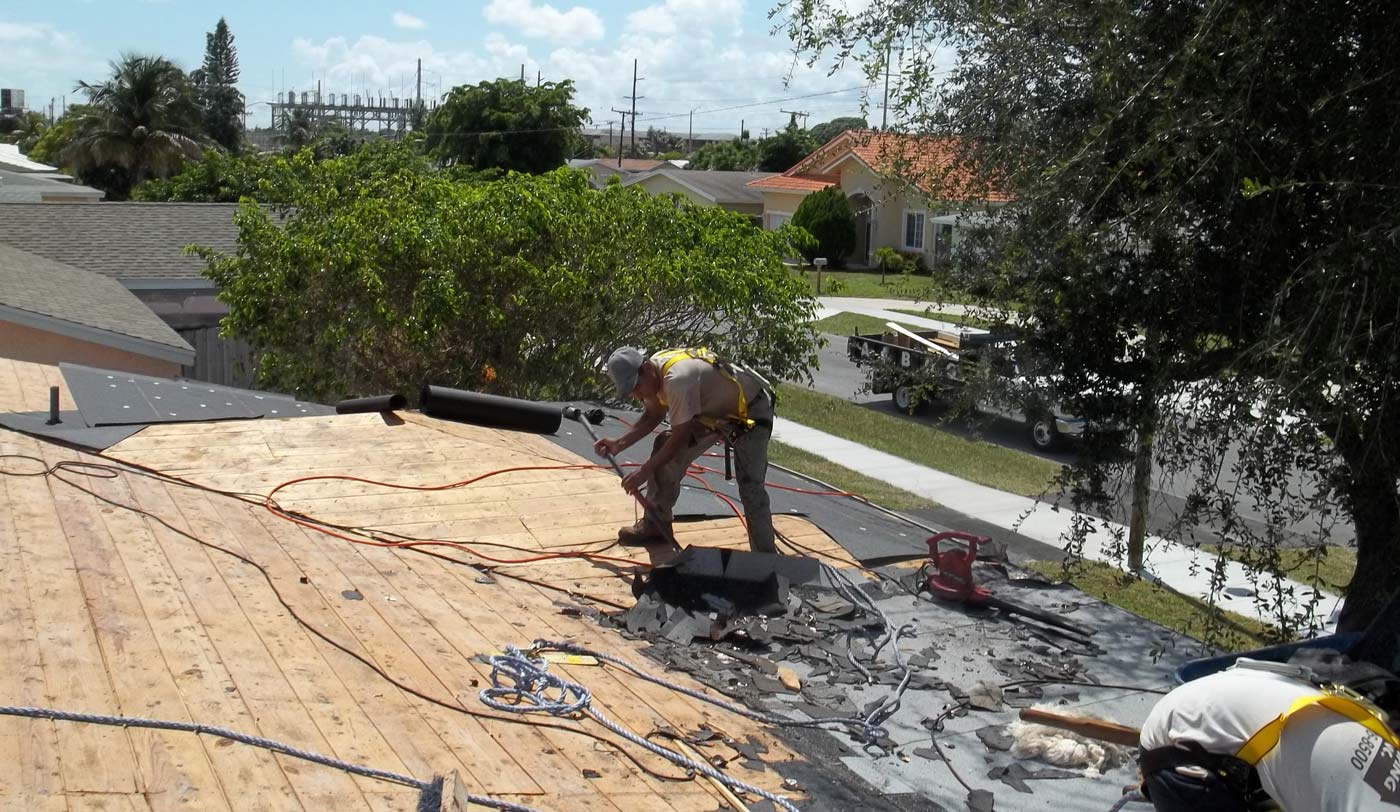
(949, 356)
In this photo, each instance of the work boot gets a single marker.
(641, 534)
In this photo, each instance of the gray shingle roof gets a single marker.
(121, 240)
(33, 187)
(721, 187)
(60, 296)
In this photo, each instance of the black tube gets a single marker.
(489, 410)
(378, 403)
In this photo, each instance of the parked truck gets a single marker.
(903, 359)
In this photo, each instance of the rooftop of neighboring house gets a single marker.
(41, 187)
(53, 297)
(15, 161)
(718, 187)
(625, 165)
(929, 163)
(126, 241)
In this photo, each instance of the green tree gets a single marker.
(23, 130)
(216, 85)
(140, 123)
(1206, 200)
(781, 151)
(826, 215)
(51, 144)
(273, 179)
(298, 129)
(739, 155)
(518, 286)
(658, 142)
(506, 124)
(827, 130)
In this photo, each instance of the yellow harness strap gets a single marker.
(670, 358)
(1266, 738)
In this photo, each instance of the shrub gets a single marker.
(827, 216)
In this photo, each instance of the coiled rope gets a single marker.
(522, 684)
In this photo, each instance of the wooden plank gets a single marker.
(428, 738)
(269, 705)
(457, 640)
(172, 765)
(349, 731)
(190, 656)
(28, 747)
(92, 758)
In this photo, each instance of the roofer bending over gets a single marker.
(708, 400)
(1268, 732)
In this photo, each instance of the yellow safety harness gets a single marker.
(1335, 698)
(669, 358)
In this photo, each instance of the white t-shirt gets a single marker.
(1324, 762)
(694, 388)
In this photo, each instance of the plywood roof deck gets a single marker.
(107, 611)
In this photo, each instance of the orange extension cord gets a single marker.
(694, 471)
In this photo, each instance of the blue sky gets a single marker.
(693, 54)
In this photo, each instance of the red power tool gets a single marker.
(950, 578)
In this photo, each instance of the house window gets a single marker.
(776, 220)
(914, 231)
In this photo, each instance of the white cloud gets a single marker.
(545, 21)
(687, 16)
(45, 61)
(403, 19)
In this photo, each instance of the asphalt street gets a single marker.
(840, 377)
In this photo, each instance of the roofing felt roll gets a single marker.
(489, 410)
(378, 403)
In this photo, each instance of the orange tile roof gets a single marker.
(796, 183)
(928, 162)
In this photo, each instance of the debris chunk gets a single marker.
(789, 679)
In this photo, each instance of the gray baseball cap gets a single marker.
(623, 367)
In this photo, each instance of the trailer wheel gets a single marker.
(1043, 434)
(903, 397)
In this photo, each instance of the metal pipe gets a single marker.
(54, 418)
(648, 509)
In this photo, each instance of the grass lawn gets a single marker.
(974, 460)
(866, 284)
(1330, 571)
(880, 492)
(1191, 617)
(952, 318)
(844, 324)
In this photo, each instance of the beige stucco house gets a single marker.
(906, 191)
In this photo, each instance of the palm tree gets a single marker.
(298, 128)
(142, 121)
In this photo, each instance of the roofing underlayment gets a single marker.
(114, 607)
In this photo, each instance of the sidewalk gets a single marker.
(1176, 566)
(880, 308)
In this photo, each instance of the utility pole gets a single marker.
(634, 98)
(522, 73)
(620, 135)
(539, 77)
(690, 136)
(418, 88)
(65, 105)
(792, 122)
(885, 107)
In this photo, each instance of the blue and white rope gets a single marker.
(254, 741)
(532, 688)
